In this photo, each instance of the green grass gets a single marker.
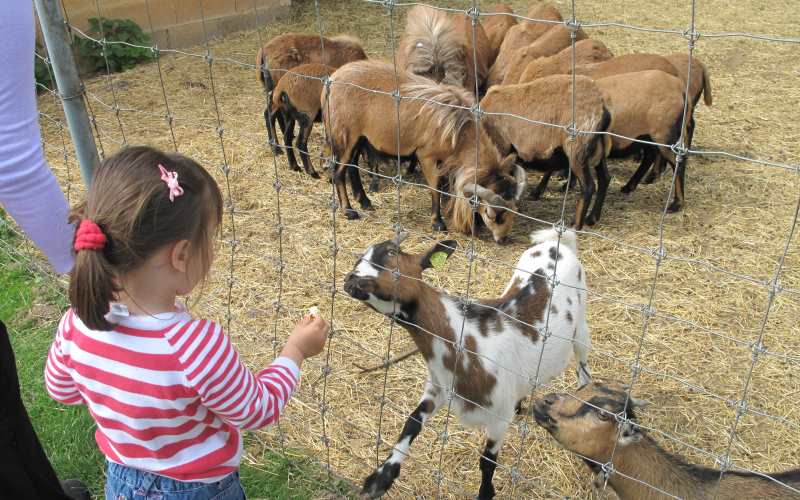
(30, 305)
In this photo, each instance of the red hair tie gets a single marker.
(89, 236)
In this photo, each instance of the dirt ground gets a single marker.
(712, 291)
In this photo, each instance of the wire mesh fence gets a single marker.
(696, 311)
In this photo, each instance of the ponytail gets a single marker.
(92, 285)
(92, 289)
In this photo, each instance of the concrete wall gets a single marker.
(178, 23)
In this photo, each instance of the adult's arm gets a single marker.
(28, 190)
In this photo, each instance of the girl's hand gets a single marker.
(307, 339)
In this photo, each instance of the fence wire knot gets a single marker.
(476, 111)
(474, 13)
(723, 462)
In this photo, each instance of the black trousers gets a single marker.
(25, 472)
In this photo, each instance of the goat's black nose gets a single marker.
(550, 398)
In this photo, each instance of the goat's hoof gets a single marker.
(277, 151)
(379, 482)
(351, 214)
(367, 205)
(485, 495)
(313, 174)
(627, 189)
(439, 226)
(294, 167)
(673, 207)
(374, 187)
(536, 195)
(591, 220)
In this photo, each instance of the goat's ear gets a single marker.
(629, 433)
(446, 247)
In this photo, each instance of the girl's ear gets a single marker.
(179, 257)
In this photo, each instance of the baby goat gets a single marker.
(502, 338)
(585, 424)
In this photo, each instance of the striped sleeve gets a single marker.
(225, 385)
(58, 380)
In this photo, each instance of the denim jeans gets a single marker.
(126, 483)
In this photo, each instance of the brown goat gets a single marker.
(497, 25)
(590, 424)
(552, 42)
(561, 64)
(548, 148)
(297, 96)
(437, 125)
(440, 46)
(520, 36)
(290, 50)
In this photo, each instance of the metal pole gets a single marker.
(70, 89)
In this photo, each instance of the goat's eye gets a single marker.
(603, 415)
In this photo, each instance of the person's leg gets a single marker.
(25, 471)
(132, 484)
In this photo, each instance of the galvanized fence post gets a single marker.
(70, 89)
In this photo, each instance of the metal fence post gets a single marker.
(69, 84)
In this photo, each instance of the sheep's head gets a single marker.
(373, 279)
(587, 422)
(498, 195)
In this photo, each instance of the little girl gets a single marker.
(168, 391)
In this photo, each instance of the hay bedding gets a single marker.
(737, 219)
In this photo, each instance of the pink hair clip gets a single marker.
(171, 180)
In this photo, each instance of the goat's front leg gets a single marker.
(379, 482)
(495, 434)
(431, 173)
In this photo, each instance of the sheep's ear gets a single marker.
(434, 255)
(629, 433)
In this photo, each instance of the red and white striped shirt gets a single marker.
(168, 392)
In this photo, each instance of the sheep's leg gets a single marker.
(680, 178)
(649, 155)
(288, 139)
(538, 191)
(495, 434)
(603, 180)
(433, 179)
(587, 191)
(302, 146)
(374, 166)
(354, 174)
(270, 115)
(413, 163)
(381, 480)
(338, 179)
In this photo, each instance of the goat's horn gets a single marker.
(522, 181)
(486, 195)
(401, 237)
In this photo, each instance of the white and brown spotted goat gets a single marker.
(501, 341)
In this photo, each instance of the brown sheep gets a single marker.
(552, 42)
(297, 96)
(700, 85)
(520, 36)
(548, 148)
(290, 50)
(561, 64)
(437, 126)
(497, 25)
(647, 105)
(599, 424)
(439, 46)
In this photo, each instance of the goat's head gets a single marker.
(590, 422)
(388, 279)
(498, 196)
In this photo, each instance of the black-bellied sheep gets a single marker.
(549, 148)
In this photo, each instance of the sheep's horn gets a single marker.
(400, 238)
(522, 181)
(486, 195)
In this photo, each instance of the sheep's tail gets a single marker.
(707, 98)
(569, 239)
(262, 73)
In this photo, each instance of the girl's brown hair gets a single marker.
(131, 204)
